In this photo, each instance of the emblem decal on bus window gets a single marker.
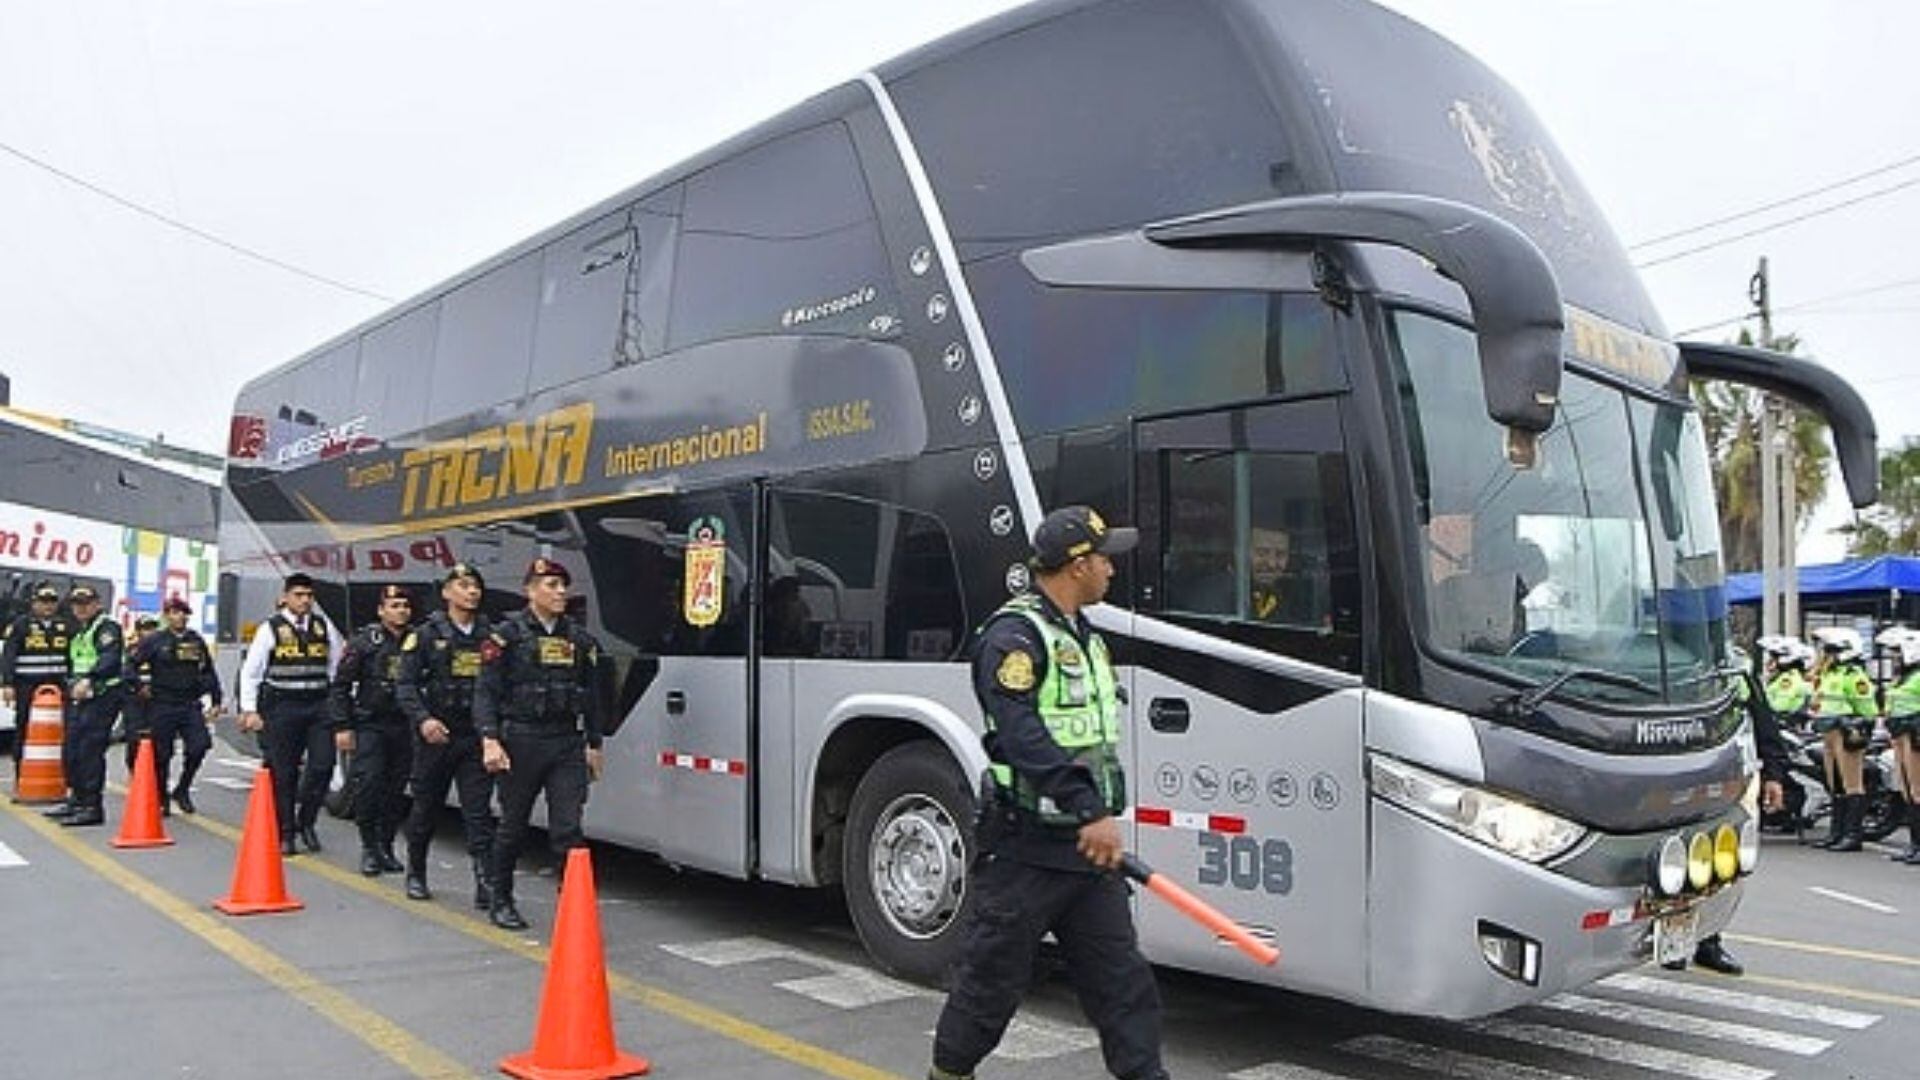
(1206, 782)
(1282, 789)
(1242, 786)
(937, 308)
(1167, 779)
(985, 464)
(955, 357)
(1017, 579)
(1000, 519)
(1324, 790)
(706, 571)
(969, 410)
(920, 261)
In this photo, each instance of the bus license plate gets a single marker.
(1674, 937)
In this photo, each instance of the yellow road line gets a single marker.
(1825, 950)
(1874, 996)
(722, 1023)
(390, 1039)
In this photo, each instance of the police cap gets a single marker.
(44, 591)
(296, 580)
(1072, 531)
(146, 622)
(395, 592)
(464, 570)
(82, 594)
(545, 567)
(176, 603)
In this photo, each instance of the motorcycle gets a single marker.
(1809, 802)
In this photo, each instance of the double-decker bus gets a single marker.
(1423, 640)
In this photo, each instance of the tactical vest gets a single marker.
(1789, 692)
(375, 693)
(545, 685)
(83, 654)
(451, 661)
(1844, 690)
(1903, 697)
(297, 666)
(1080, 705)
(174, 668)
(43, 651)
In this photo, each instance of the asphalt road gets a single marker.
(114, 965)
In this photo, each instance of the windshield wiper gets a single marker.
(1722, 672)
(1522, 704)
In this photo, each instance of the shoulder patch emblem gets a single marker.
(412, 641)
(1861, 686)
(1015, 672)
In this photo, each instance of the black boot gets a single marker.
(482, 894)
(387, 861)
(1713, 956)
(85, 816)
(1912, 853)
(183, 791)
(504, 915)
(1854, 809)
(417, 873)
(286, 844)
(369, 861)
(1836, 822)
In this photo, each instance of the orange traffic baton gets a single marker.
(1198, 910)
(41, 778)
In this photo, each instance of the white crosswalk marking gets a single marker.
(1686, 1024)
(10, 857)
(731, 951)
(1277, 1070)
(1445, 1062)
(227, 782)
(1031, 1038)
(1607, 1048)
(1737, 999)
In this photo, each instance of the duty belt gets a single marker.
(564, 726)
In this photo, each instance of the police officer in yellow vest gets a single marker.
(95, 658)
(1050, 837)
(1903, 723)
(1789, 694)
(1843, 714)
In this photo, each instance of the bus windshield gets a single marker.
(1605, 554)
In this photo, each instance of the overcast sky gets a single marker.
(386, 145)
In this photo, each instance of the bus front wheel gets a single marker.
(909, 847)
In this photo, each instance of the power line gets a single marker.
(1850, 294)
(238, 249)
(1724, 241)
(1776, 204)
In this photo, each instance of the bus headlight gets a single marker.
(1726, 853)
(1522, 831)
(1670, 867)
(1700, 860)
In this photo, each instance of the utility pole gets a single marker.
(1780, 577)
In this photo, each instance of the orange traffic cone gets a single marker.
(259, 884)
(573, 1039)
(140, 823)
(41, 778)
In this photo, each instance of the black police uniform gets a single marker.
(33, 654)
(440, 664)
(133, 713)
(90, 721)
(365, 700)
(1775, 764)
(1031, 878)
(536, 696)
(176, 671)
(298, 735)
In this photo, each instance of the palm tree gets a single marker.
(1891, 527)
(1730, 416)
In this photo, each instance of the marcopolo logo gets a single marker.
(1669, 732)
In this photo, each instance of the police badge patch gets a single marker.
(1016, 672)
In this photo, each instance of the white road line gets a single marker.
(731, 951)
(1687, 1024)
(1848, 898)
(228, 782)
(10, 857)
(1451, 1063)
(248, 764)
(1031, 1038)
(1737, 999)
(1280, 1070)
(850, 987)
(1606, 1048)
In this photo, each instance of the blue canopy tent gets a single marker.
(1886, 588)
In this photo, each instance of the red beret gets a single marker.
(545, 567)
(175, 603)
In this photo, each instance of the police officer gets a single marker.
(33, 654)
(1051, 840)
(1789, 694)
(368, 723)
(1903, 723)
(177, 672)
(1712, 952)
(133, 714)
(283, 696)
(440, 663)
(539, 721)
(1843, 714)
(96, 656)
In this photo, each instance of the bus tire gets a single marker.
(908, 852)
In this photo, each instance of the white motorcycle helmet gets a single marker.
(1802, 656)
(1841, 643)
(1784, 651)
(1901, 641)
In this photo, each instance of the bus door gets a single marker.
(1246, 727)
(673, 576)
